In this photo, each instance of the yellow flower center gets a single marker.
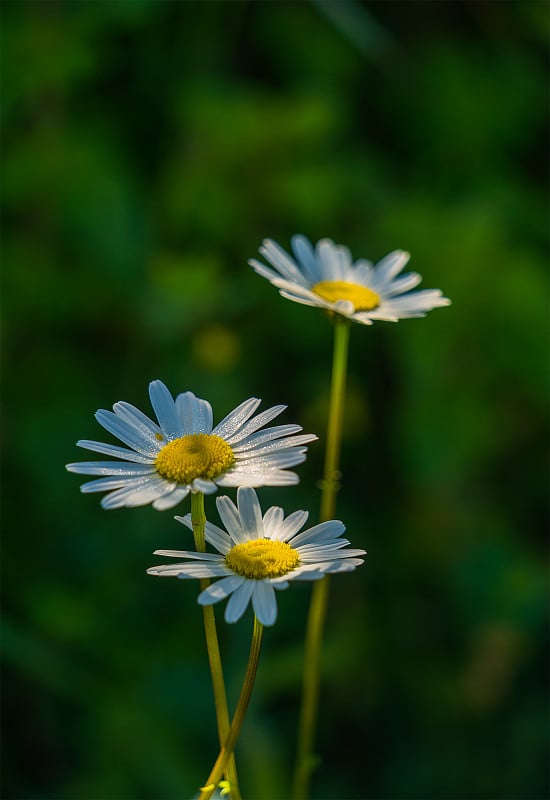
(363, 299)
(198, 455)
(262, 558)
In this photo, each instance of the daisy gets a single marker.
(327, 277)
(184, 453)
(260, 554)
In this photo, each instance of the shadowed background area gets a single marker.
(148, 149)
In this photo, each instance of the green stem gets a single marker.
(331, 475)
(305, 759)
(229, 745)
(198, 521)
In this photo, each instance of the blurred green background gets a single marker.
(148, 148)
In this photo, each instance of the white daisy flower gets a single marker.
(184, 453)
(327, 277)
(260, 554)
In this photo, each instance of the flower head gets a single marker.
(258, 554)
(326, 277)
(184, 453)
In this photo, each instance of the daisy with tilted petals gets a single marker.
(184, 453)
(327, 277)
(259, 554)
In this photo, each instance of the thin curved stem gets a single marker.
(229, 745)
(331, 474)
(198, 521)
(305, 759)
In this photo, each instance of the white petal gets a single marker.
(237, 603)
(220, 590)
(290, 526)
(190, 570)
(313, 300)
(279, 442)
(218, 538)
(303, 292)
(257, 479)
(195, 414)
(305, 254)
(344, 307)
(280, 259)
(334, 556)
(264, 603)
(348, 565)
(278, 460)
(185, 520)
(262, 270)
(411, 314)
(258, 422)
(106, 484)
(242, 478)
(236, 418)
(279, 585)
(184, 409)
(320, 533)
(113, 450)
(109, 468)
(320, 547)
(229, 515)
(155, 488)
(305, 573)
(172, 499)
(203, 485)
(403, 284)
(284, 581)
(363, 273)
(322, 552)
(281, 478)
(253, 463)
(388, 267)
(273, 518)
(126, 433)
(250, 514)
(275, 462)
(262, 437)
(138, 420)
(334, 260)
(285, 458)
(192, 554)
(418, 301)
(117, 499)
(165, 409)
(366, 317)
(204, 570)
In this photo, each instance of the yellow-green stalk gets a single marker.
(305, 758)
(198, 520)
(228, 746)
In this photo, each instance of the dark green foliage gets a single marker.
(148, 148)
